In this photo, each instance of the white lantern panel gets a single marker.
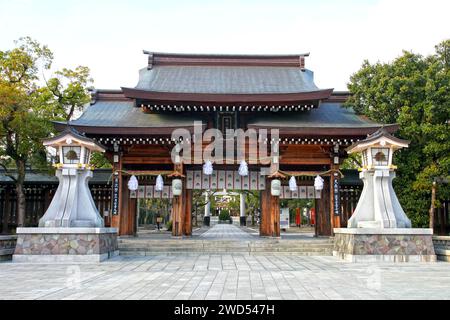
(380, 156)
(364, 158)
(71, 154)
(87, 156)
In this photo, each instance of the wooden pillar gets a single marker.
(48, 196)
(346, 208)
(188, 213)
(275, 213)
(270, 214)
(323, 223)
(6, 209)
(179, 208)
(124, 208)
(115, 218)
(443, 218)
(178, 215)
(132, 216)
(265, 220)
(335, 220)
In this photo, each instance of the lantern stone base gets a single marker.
(388, 245)
(65, 245)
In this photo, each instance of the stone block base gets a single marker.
(52, 245)
(7, 245)
(386, 245)
(442, 247)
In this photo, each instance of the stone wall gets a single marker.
(65, 244)
(7, 245)
(442, 247)
(384, 245)
(39, 244)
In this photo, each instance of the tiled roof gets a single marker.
(123, 114)
(328, 115)
(106, 116)
(226, 80)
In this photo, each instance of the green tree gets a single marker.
(27, 106)
(21, 128)
(412, 91)
(67, 92)
(252, 204)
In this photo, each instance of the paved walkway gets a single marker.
(226, 232)
(225, 276)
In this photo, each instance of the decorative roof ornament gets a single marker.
(71, 136)
(208, 168)
(159, 183)
(133, 183)
(318, 183)
(243, 168)
(293, 184)
(380, 138)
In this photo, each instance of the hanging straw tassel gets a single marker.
(243, 168)
(133, 183)
(159, 183)
(208, 168)
(293, 184)
(318, 183)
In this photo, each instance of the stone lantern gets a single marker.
(378, 206)
(71, 229)
(72, 205)
(379, 229)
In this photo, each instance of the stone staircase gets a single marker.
(306, 247)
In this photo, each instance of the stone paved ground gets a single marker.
(226, 276)
(226, 232)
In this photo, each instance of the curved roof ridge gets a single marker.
(226, 55)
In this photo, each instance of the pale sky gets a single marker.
(108, 36)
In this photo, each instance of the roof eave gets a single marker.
(325, 131)
(227, 97)
(124, 131)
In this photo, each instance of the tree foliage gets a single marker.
(67, 91)
(412, 91)
(27, 106)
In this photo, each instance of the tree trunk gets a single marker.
(21, 205)
(21, 201)
(432, 207)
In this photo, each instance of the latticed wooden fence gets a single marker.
(40, 193)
